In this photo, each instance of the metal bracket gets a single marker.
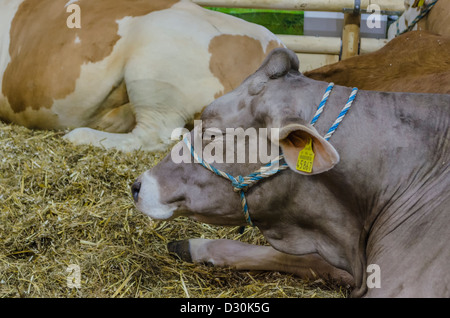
(357, 8)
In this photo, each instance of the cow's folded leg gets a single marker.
(243, 256)
(121, 141)
(121, 119)
(148, 133)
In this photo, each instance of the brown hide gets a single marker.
(416, 61)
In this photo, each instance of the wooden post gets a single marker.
(312, 44)
(327, 45)
(350, 35)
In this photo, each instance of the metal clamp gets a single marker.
(355, 10)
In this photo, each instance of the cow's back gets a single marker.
(413, 62)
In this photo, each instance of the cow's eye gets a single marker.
(212, 134)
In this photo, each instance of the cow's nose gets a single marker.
(135, 188)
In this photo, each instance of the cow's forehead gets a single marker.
(39, 36)
(229, 110)
(278, 98)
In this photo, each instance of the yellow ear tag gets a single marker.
(421, 2)
(306, 158)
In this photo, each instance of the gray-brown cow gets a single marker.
(375, 202)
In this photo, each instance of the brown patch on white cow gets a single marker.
(46, 55)
(235, 57)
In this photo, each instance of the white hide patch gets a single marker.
(149, 199)
(8, 10)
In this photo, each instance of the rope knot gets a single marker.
(238, 184)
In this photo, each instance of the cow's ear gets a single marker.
(279, 62)
(305, 151)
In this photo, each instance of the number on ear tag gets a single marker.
(306, 158)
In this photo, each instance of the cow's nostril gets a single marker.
(135, 188)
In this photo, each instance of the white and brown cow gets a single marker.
(132, 72)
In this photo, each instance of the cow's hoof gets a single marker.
(181, 249)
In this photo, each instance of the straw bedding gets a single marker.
(63, 205)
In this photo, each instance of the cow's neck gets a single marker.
(375, 184)
(349, 189)
(323, 206)
(328, 207)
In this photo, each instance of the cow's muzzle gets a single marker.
(146, 195)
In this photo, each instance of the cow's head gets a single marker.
(259, 104)
(283, 206)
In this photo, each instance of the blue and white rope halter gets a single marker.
(241, 184)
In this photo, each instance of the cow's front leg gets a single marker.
(152, 132)
(243, 256)
(158, 108)
(143, 137)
